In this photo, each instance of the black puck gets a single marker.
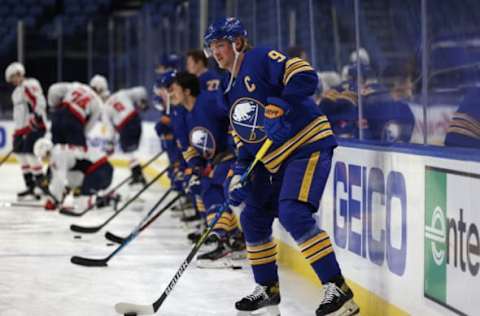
(130, 314)
(236, 268)
(109, 244)
(77, 237)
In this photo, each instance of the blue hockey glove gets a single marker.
(238, 190)
(276, 126)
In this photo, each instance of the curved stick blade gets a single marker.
(83, 229)
(88, 262)
(114, 238)
(68, 212)
(124, 308)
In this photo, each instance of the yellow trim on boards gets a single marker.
(370, 303)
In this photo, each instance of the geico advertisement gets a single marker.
(452, 239)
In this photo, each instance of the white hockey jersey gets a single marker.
(69, 165)
(120, 107)
(29, 106)
(84, 104)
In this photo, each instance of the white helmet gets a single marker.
(42, 147)
(363, 54)
(13, 69)
(137, 94)
(100, 85)
(57, 92)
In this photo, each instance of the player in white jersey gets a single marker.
(122, 111)
(99, 84)
(85, 171)
(29, 116)
(75, 110)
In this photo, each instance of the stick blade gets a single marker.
(65, 211)
(83, 229)
(124, 308)
(114, 238)
(88, 262)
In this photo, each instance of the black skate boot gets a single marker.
(137, 176)
(263, 297)
(217, 258)
(337, 300)
(29, 193)
(236, 243)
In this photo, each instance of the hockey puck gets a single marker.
(77, 237)
(130, 314)
(109, 244)
(236, 268)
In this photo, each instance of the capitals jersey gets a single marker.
(464, 127)
(84, 104)
(209, 81)
(268, 73)
(206, 133)
(120, 109)
(70, 164)
(29, 107)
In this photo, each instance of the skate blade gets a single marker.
(264, 311)
(28, 198)
(348, 309)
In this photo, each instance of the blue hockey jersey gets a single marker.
(268, 73)
(206, 133)
(464, 127)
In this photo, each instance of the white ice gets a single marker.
(37, 278)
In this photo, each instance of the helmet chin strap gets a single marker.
(233, 74)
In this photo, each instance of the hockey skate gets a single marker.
(337, 301)
(263, 301)
(28, 195)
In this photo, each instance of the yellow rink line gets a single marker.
(290, 257)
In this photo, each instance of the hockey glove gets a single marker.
(238, 190)
(192, 182)
(276, 126)
(178, 180)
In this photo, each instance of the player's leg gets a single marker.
(94, 182)
(256, 220)
(129, 142)
(35, 164)
(303, 182)
(227, 237)
(19, 150)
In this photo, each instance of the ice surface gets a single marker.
(37, 278)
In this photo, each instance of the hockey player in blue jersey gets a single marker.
(209, 154)
(464, 127)
(268, 94)
(197, 64)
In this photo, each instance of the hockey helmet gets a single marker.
(13, 69)
(228, 28)
(42, 147)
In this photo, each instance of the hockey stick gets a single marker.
(89, 262)
(114, 238)
(6, 157)
(94, 229)
(17, 204)
(134, 309)
(111, 191)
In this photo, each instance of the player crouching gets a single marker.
(86, 172)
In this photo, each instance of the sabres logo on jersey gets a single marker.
(203, 141)
(246, 118)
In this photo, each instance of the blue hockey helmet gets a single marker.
(171, 61)
(165, 79)
(228, 28)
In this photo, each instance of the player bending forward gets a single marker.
(29, 113)
(270, 95)
(86, 172)
(122, 111)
